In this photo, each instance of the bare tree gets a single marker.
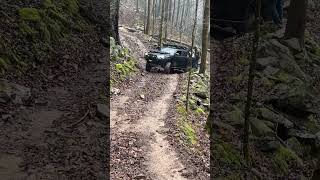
(173, 13)
(178, 12)
(166, 18)
(191, 49)
(154, 16)
(161, 23)
(205, 36)
(137, 5)
(149, 17)
(252, 68)
(181, 22)
(145, 17)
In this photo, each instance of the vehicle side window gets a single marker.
(179, 53)
(184, 53)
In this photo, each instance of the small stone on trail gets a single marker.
(115, 91)
(142, 96)
(141, 176)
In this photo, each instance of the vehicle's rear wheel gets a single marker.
(167, 68)
(148, 67)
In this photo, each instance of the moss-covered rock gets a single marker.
(228, 154)
(234, 117)
(29, 14)
(259, 128)
(189, 132)
(283, 157)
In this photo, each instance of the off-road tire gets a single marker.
(167, 68)
(148, 67)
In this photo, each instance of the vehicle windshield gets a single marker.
(169, 50)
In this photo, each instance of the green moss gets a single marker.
(244, 60)
(283, 157)
(311, 124)
(189, 132)
(227, 154)
(48, 4)
(27, 30)
(181, 109)
(72, 6)
(29, 14)
(44, 32)
(3, 64)
(199, 111)
(59, 17)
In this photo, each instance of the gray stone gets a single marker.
(234, 117)
(202, 95)
(303, 136)
(270, 146)
(293, 43)
(273, 48)
(295, 145)
(269, 115)
(259, 128)
(115, 91)
(270, 71)
(267, 61)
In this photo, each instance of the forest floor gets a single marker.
(53, 116)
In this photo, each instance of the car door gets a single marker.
(179, 61)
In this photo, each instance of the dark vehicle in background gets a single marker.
(172, 58)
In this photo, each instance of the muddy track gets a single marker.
(139, 149)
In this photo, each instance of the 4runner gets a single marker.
(172, 58)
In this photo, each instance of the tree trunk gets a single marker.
(172, 18)
(153, 16)
(137, 5)
(145, 17)
(166, 20)
(205, 36)
(149, 17)
(178, 12)
(252, 68)
(190, 58)
(116, 23)
(181, 22)
(296, 24)
(161, 23)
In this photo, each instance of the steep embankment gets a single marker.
(53, 116)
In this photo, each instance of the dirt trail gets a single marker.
(140, 119)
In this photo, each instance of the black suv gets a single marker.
(172, 58)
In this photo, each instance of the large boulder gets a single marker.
(293, 44)
(269, 115)
(259, 128)
(266, 61)
(234, 117)
(273, 48)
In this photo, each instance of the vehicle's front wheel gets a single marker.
(148, 67)
(167, 68)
